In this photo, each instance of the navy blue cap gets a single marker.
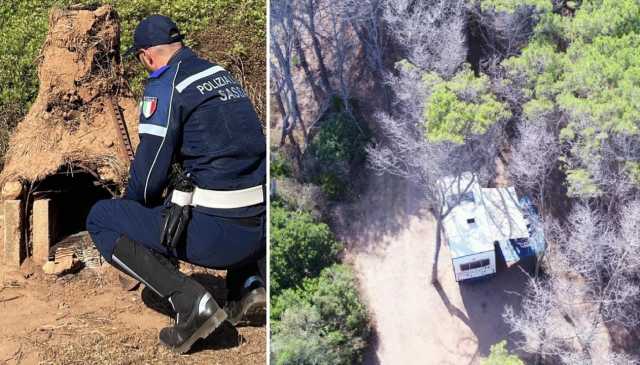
(152, 31)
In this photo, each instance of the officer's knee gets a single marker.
(97, 224)
(96, 215)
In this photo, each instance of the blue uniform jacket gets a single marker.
(195, 113)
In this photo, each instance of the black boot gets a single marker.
(250, 310)
(157, 303)
(197, 313)
(247, 299)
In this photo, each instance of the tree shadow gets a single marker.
(215, 284)
(485, 300)
(224, 337)
(453, 310)
(371, 352)
(383, 207)
(623, 340)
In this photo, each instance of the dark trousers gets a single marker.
(211, 241)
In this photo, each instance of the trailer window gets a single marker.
(475, 265)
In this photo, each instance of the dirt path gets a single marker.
(390, 238)
(86, 318)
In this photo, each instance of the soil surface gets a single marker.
(391, 238)
(86, 318)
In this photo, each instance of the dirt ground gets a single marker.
(391, 239)
(86, 318)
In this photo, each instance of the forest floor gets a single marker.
(86, 318)
(390, 239)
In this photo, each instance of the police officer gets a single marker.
(196, 116)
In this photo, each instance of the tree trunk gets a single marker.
(292, 96)
(436, 254)
(285, 117)
(298, 153)
(317, 49)
(374, 60)
(307, 70)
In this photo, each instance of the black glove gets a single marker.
(175, 219)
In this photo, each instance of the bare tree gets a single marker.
(534, 156)
(286, 127)
(342, 46)
(592, 281)
(365, 18)
(307, 13)
(283, 40)
(431, 33)
(498, 35)
(304, 63)
(439, 168)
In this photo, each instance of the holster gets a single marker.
(175, 217)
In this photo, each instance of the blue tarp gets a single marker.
(516, 249)
(509, 252)
(536, 243)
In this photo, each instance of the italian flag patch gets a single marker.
(148, 106)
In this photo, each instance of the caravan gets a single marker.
(482, 221)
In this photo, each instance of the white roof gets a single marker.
(474, 225)
(504, 213)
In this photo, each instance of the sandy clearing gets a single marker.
(391, 238)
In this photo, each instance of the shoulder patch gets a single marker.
(149, 106)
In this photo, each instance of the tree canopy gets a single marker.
(587, 66)
(321, 322)
(300, 247)
(461, 106)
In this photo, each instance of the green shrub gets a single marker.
(512, 5)
(23, 25)
(335, 150)
(279, 166)
(300, 247)
(300, 340)
(191, 16)
(341, 139)
(323, 322)
(500, 356)
(333, 185)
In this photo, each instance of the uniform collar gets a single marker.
(182, 54)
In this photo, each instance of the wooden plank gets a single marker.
(13, 252)
(41, 230)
